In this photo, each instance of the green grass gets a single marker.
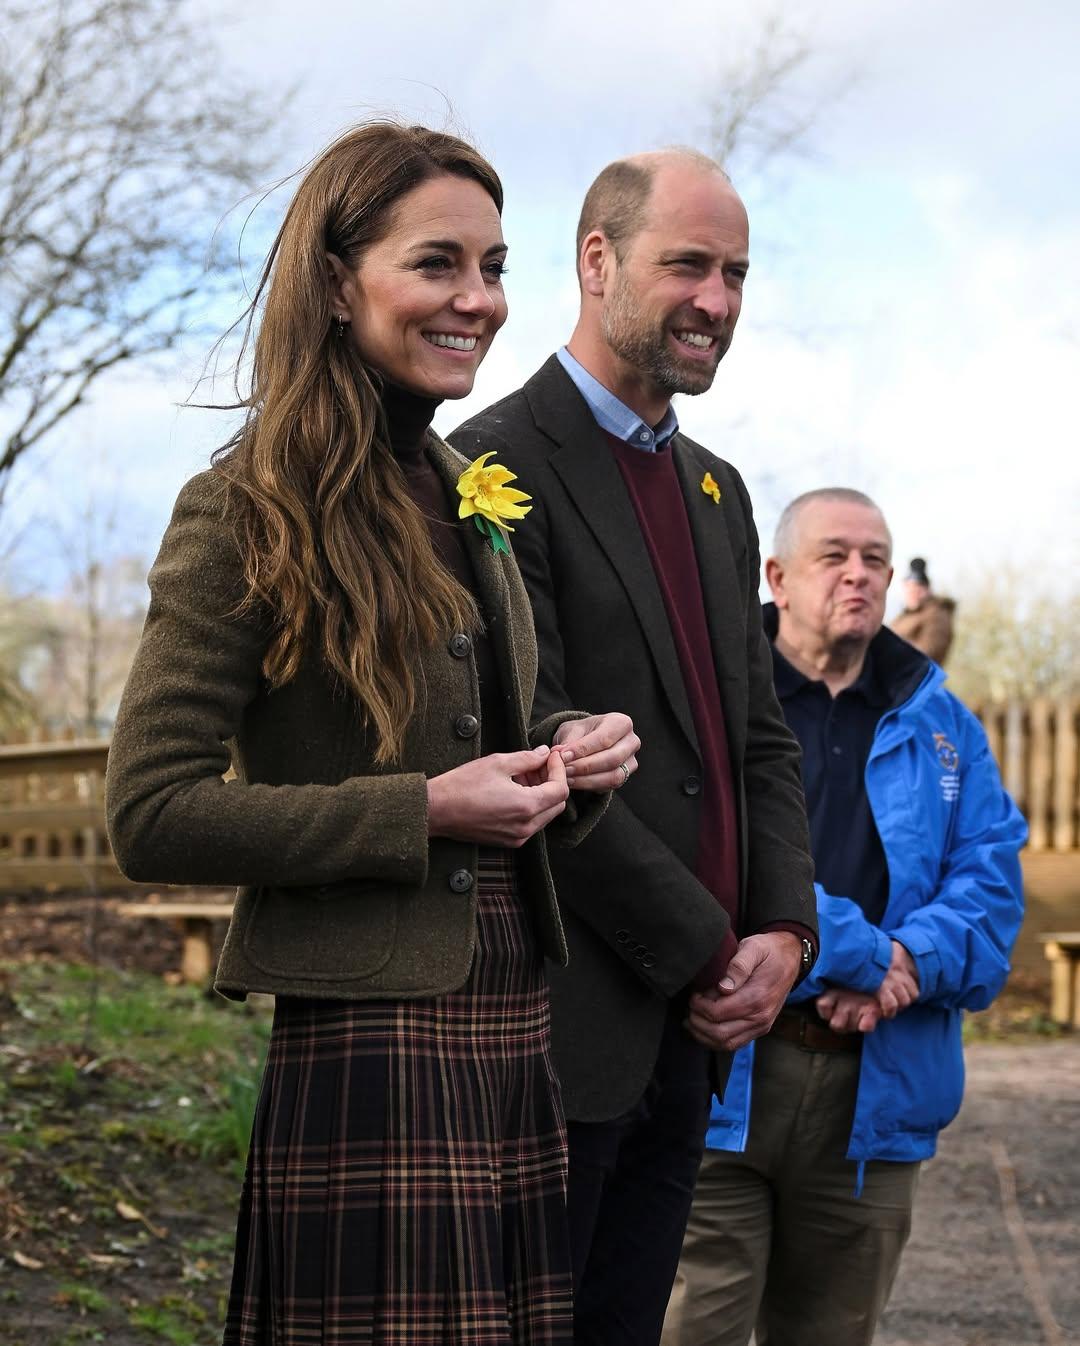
(125, 1112)
(1009, 1028)
(1021, 1011)
(162, 1325)
(181, 1070)
(83, 1297)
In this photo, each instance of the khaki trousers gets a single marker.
(777, 1241)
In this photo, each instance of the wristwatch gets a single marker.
(808, 959)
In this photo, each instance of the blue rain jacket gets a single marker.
(951, 837)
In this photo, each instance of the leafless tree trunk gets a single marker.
(93, 646)
(123, 142)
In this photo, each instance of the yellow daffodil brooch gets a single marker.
(710, 487)
(489, 500)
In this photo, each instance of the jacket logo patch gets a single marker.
(949, 760)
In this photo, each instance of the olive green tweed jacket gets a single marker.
(341, 892)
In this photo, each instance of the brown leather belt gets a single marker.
(812, 1036)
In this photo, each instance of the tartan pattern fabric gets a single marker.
(407, 1175)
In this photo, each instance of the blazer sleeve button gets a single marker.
(691, 785)
(648, 961)
(622, 936)
(460, 645)
(461, 881)
(466, 726)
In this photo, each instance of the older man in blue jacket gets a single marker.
(803, 1203)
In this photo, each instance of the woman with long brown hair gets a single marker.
(335, 609)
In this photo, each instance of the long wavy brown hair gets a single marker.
(332, 542)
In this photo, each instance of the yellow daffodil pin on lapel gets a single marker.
(710, 487)
(489, 500)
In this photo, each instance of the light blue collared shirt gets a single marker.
(614, 416)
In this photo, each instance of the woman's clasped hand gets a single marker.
(498, 800)
(504, 798)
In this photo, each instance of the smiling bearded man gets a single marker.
(689, 913)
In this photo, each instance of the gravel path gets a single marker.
(994, 1256)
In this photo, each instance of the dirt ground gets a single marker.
(994, 1258)
(984, 1268)
(77, 929)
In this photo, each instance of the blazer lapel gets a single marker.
(719, 587)
(492, 588)
(587, 468)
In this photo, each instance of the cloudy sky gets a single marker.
(910, 324)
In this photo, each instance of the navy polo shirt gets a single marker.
(836, 734)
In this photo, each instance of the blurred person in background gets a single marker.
(337, 600)
(927, 619)
(804, 1198)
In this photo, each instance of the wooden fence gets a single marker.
(52, 823)
(1036, 746)
(52, 817)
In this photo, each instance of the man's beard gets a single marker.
(648, 349)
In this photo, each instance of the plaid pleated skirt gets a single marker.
(406, 1182)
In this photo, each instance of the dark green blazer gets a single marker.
(341, 892)
(639, 924)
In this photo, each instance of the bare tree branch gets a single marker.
(122, 144)
(65, 647)
(1014, 640)
(760, 113)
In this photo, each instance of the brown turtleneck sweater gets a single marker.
(408, 418)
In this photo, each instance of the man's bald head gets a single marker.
(786, 539)
(617, 202)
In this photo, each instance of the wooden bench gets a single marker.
(196, 923)
(1063, 952)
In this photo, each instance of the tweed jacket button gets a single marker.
(461, 881)
(460, 645)
(622, 936)
(648, 961)
(691, 785)
(466, 726)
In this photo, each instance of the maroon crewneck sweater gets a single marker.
(658, 502)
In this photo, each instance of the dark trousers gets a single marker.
(778, 1243)
(630, 1187)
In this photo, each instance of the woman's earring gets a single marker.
(341, 323)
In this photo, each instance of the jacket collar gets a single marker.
(612, 414)
(584, 462)
(899, 668)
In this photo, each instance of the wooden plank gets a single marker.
(1062, 990)
(49, 759)
(1062, 950)
(1052, 903)
(197, 959)
(57, 817)
(189, 910)
(1040, 766)
(49, 873)
(1065, 775)
(1014, 774)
